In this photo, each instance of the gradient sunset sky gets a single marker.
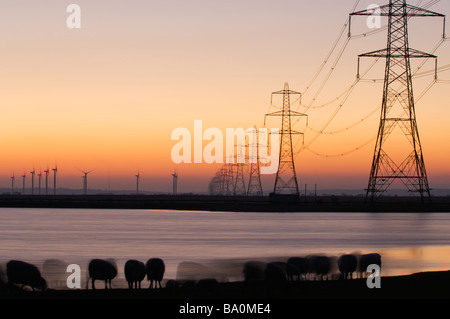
(106, 97)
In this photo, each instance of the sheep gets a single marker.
(368, 259)
(134, 273)
(155, 269)
(55, 271)
(102, 270)
(276, 272)
(321, 265)
(347, 265)
(300, 266)
(20, 272)
(254, 271)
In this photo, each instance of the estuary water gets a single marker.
(216, 243)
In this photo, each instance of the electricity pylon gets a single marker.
(254, 181)
(286, 178)
(239, 179)
(397, 110)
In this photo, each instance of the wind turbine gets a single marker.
(32, 181)
(137, 182)
(23, 183)
(175, 181)
(46, 180)
(40, 175)
(85, 181)
(12, 184)
(55, 170)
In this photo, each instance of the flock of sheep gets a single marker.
(25, 274)
(316, 267)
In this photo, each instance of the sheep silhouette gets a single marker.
(100, 269)
(55, 272)
(254, 270)
(134, 273)
(368, 259)
(155, 269)
(321, 265)
(297, 267)
(347, 265)
(276, 272)
(25, 274)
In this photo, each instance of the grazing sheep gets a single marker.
(20, 272)
(102, 270)
(321, 265)
(369, 259)
(300, 267)
(155, 268)
(134, 273)
(55, 271)
(254, 271)
(347, 265)
(276, 272)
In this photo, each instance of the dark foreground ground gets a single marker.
(426, 285)
(231, 203)
(428, 291)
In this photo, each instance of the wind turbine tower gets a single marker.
(23, 183)
(32, 181)
(55, 170)
(40, 175)
(175, 182)
(46, 181)
(137, 182)
(85, 181)
(12, 184)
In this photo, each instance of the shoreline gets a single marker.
(229, 203)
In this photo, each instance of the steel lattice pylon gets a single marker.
(398, 111)
(286, 178)
(254, 180)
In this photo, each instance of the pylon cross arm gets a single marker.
(384, 11)
(383, 53)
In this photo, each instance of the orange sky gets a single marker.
(107, 96)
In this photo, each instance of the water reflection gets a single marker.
(408, 242)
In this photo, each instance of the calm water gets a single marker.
(220, 241)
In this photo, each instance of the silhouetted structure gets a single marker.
(85, 187)
(23, 183)
(238, 171)
(286, 178)
(254, 180)
(46, 180)
(137, 182)
(174, 183)
(397, 109)
(55, 170)
(32, 181)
